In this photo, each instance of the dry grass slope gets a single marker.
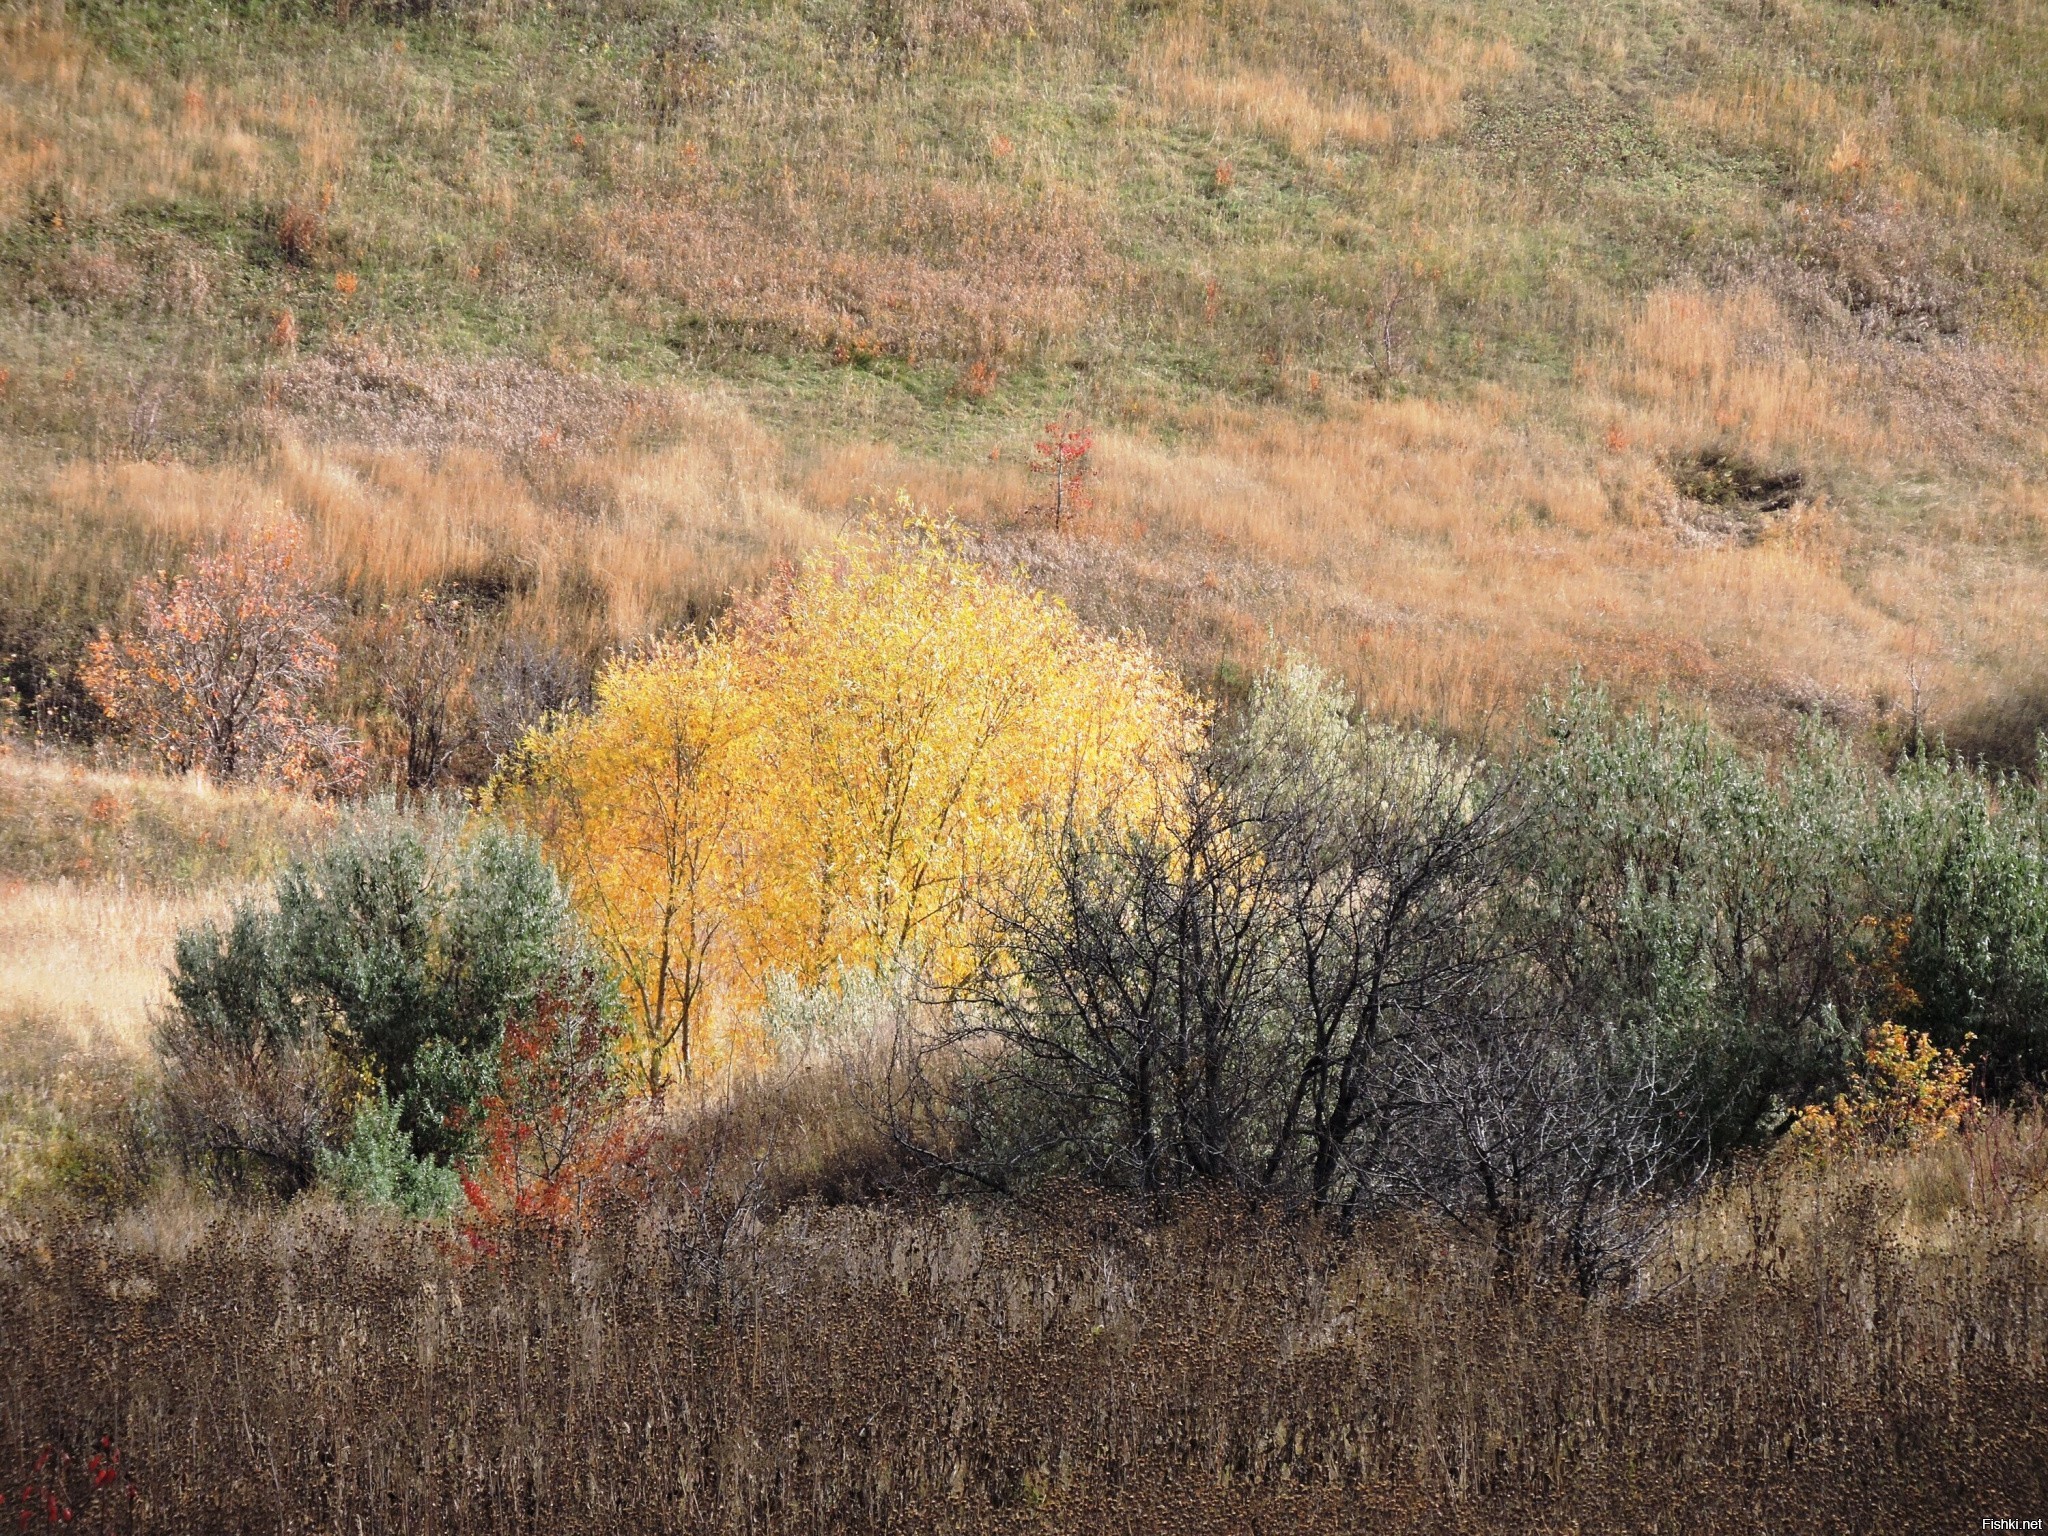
(1405, 327)
(98, 872)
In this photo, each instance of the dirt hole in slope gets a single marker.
(1725, 498)
(1716, 478)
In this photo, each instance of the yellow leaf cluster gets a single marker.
(828, 781)
(1909, 1091)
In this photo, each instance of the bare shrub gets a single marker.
(1560, 1142)
(1130, 994)
(251, 1109)
(425, 663)
(520, 681)
(1222, 989)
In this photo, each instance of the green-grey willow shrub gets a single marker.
(391, 962)
(1696, 898)
(1963, 876)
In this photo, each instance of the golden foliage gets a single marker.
(1910, 1091)
(640, 801)
(826, 782)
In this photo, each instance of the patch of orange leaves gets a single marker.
(1909, 1092)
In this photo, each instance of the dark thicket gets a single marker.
(1219, 989)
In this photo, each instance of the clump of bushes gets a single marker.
(1761, 918)
(352, 1020)
(1309, 956)
(1348, 966)
(244, 665)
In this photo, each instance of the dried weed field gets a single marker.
(1865, 1352)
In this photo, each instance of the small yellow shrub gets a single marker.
(1909, 1092)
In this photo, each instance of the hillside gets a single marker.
(1699, 345)
(686, 837)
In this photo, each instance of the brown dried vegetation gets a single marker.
(715, 1362)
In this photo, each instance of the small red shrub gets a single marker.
(57, 1490)
(555, 1129)
(1060, 457)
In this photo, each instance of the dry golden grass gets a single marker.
(85, 965)
(63, 821)
(1905, 130)
(98, 871)
(1359, 89)
(860, 267)
(1453, 558)
(1694, 367)
(1979, 1189)
(599, 546)
(79, 129)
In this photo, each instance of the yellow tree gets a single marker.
(925, 713)
(828, 780)
(639, 800)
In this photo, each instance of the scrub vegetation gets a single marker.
(995, 766)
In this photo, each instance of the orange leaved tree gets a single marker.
(218, 668)
(828, 781)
